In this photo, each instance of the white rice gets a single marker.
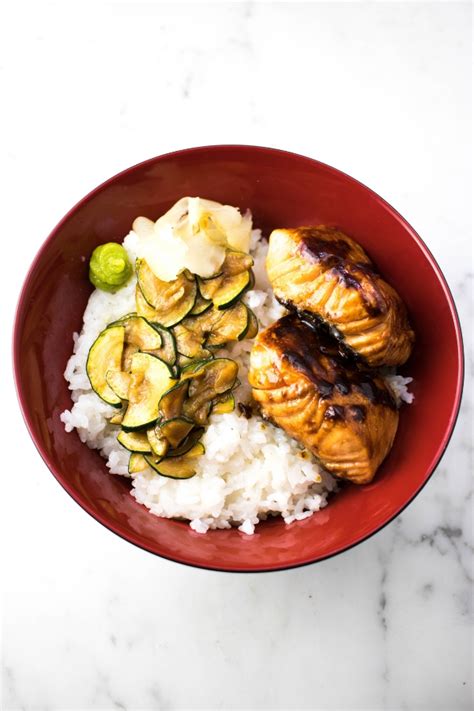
(250, 468)
(398, 385)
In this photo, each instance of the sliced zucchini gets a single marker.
(235, 275)
(194, 369)
(236, 262)
(226, 289)
(200, 306)
(208, 278)
(171, 300)
(252, 281)
(144, 308)
(183, 361)
(199, 411)
(224, 404)
(121, 321)
(204, 323)
(187, 444)
(134, 441)
(176, 430)
(159, 445)
(188, 343)
(186, 361)
(106, 354)
(252, 329)
(140, 333)
(128, 352)
(218, 327)
(136, 463)
(171, 402)
(119, 382)
(236, 385)
(117, 419)
(182, 467)
(219, 377)
(151, 378)
(167, 352)
(232, 326)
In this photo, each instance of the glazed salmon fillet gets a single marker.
(346, 417)
(325, 275)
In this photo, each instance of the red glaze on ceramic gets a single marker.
(282, 190)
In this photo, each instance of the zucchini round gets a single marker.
(136, 463)
(140, 333)
(144, 308)
(219, 377)
(235, 276)
(218, 327)
(226, 289)
(194, 369)
(134, 441)
(120, 321)
(176, 430)
(252, 329)
(167, 352)
(171, 402)
(231, 326)
(119, 382)
(129, 351)
(236, 262)
(200, 306)
(158, 444)
(105, 354)
(182, 467)
(171, 300)
(187, 444)
(188, 343)
(151, 378)
(117, 418)
(183, 361)
(224, 404)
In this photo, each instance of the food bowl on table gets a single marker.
(282, 190)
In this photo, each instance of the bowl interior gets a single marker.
(282, 190)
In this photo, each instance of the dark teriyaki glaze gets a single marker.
(245, 410)
(372, 392)
(325, 388)
(315, 322)
(335, 255)
(351, 273)
(316, 355)
(316, 248)
(342, 386)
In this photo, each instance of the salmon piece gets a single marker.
(325, 274)
(345, 416)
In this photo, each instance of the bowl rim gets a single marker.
(243, 148)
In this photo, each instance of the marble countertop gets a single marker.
(379, 90)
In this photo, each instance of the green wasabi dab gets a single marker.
(109, 267)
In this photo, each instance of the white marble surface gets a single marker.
(379, 90)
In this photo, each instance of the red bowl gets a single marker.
(282, 190)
